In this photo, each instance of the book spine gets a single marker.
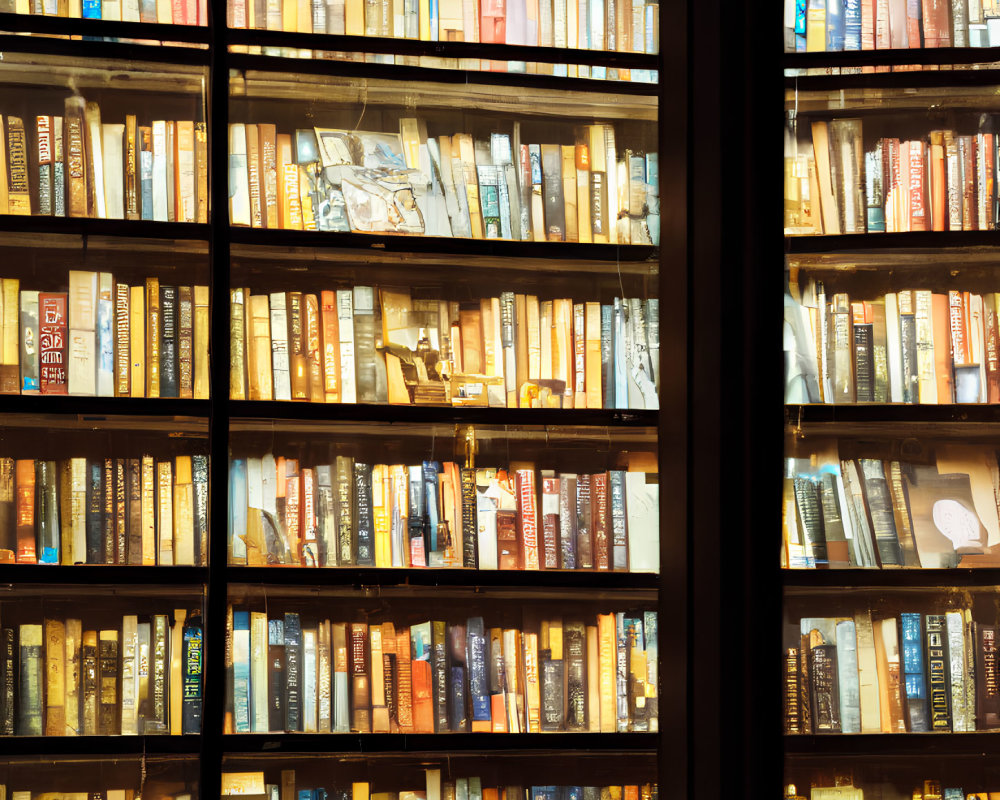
(363, 514)
(293, 673)
(938, 673)
(914, 672)
(470, 545)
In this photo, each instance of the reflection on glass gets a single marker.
(114, 777)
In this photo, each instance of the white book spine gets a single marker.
(345, 318)
(78, 482)
(114, 181)
(642, 506)
(279, 347)
(258, 669)
(893, 344)
(308, 681)
(105, 336)
(160, 170)
(82, 312)
(341, 717)
(956, 658)
(130, 669)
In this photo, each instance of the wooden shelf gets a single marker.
(922, 745)
(925, 417)
(66, 26)
(435, 743)
(899, 57)
(929, 579)
(85, 226)
(91, 574)
(252, 409)
(100, 407)
(55, 746)
(372, 576)
(415, 47)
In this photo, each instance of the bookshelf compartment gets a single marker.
(80, 671)
(115, 163)
(433, 510)
(513, 774)
(336, 187)
(92, 321)
(448, 691)
(103, 491)
(165, 777)
(469, 339)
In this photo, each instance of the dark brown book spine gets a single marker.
(134, 547)
(121, 512)
(185, 343)
(987, 679)
(361, 720)
(791, 696)
(108, 510)
(584, 524)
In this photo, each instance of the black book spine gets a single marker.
(366, 522)
(95, 513)
(825, 688)
(389, 676)
(194, 651)
(439, 665)
(576, 677)
(168, 341)
(458, 720)
(470, 529)
(938, 672)
(8, 680)
(811, 517)
(276, 674)
(552, 692)
(432, 515)
(415, 522)
(293, 673)
(567, 521)
(121, 512)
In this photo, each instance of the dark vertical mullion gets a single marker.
(215, 618)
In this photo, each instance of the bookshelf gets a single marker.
(923, 90)
(215, 83)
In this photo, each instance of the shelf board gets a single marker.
(94, 574)
(252, 409)
(102, 48)
(64, 26)
(927, 418)
(85, 226)
(893, 744)
(447, 246)
(100, 407)
(849, 242)
(889, 578)
(435, 743)
(414, 47)
(899, 57)
(100, 745)
(426, 74)
(371, 576)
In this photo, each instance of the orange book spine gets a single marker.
(423, 702)
(939, 188)
(24, 477)
(942, 352)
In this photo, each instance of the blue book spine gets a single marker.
(607, 358)
(953, 794)
(913, 672)
(800, 19)
(653, 197)
(146, 184)
(852, 24)
(95, 509)
(847, 669)
(479, 686)
(834, 25)
(241, 671)
(238, 509)
(91, 9)
(457, 720)
(105, 346)
(431, 471)
(434, 14)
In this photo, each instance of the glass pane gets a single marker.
(410, 660)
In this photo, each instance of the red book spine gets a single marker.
(527, 517)
(52, 343)
(918, 206)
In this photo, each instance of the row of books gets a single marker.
(242, 784)
(869, 512)
(350, 513)
(104, 511)
(292, 673)
(927, 790)
(119, 170)
(165, 12)
(833, 25)
(593, 72)
(105, 338)
(945, 181)
(892, 674)
(904, 347)
(62, 679)
(625, 26)
(381, 345)
(329, 179)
